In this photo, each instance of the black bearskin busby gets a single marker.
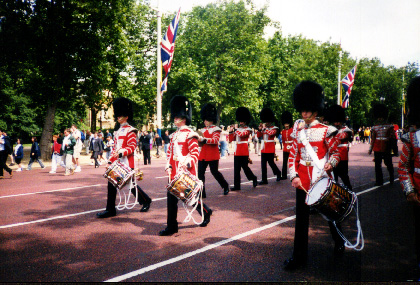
(336, 113)
(181, 107)
(209, 113)
(380, 111)
(267, 115)
(287, 118)
(413, 101)
(243, 115)
(123, 107)
(308, 96)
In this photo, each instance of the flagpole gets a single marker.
(403, 103)
(159, 71)
(339, 78)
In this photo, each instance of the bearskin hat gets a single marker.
(287, 118)
(209, 113)
(413, 101)
(243, 115)
(181, 107)
(123, 107)
(267, 115)
(308, 96)
(336, 113)
(380, 111)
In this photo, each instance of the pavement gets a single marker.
(49, 231)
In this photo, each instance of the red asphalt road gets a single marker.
(49, 232)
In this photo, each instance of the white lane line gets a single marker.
(208, 247)
(64, 189)
(60, 217)
(198, 251)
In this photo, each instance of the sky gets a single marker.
(387, 29)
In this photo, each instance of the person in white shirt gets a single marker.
(78, 147)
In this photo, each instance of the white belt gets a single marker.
(382, 139)
(240, 142)
(288, 142)
(307, 163)
(417, 170)
(344, 144)
(269, 141)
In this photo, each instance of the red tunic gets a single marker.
(210, 150)
(183, 148)
(409, 165)
(268, 144)
(287, 139)
(345, 136)
(241, 136)
(125, 143)
(323, 142)
(381, 136)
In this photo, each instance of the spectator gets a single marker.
(10, 151)
(108, 134)
(96, 148)
(109, 146)
(35, 154)
(146, 148)
(77, 135)
(86, 143)
(166, 141)
(56, 155)
(4, 152)
(68, 148)
(158, 141)
(18, 154)
(223, 142)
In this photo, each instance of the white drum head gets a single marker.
(317, 191)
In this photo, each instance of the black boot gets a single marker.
(255, 182)
(106, 214)
(226, 190)
(293, 264)
(168, 232)
(206, 219)
(262, 182)
(146, 207)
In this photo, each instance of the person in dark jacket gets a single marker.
(146, 148)
(158, 141)
(18, 154)
(166, 140)
(35, 154)
(97, 147)
(5, 148)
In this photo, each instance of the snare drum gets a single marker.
(332, 200)
(186, 187)
(118, 174)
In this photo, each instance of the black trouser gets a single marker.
(3, 165)
(416, 211)
(300, 251)
(342, 171)
(214, 169)
(146, 156)
(143, 198)
(238, 163)
(95, 157)
(172, 203)
(378, 166)
(285, 163)
(268, 157)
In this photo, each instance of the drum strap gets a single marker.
(360, 241)
(127, 204)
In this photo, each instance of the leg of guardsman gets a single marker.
(201, 173)
(237, 172)
(416, 210)
(248, 172)
(112, 195)
(142, 198)
(389, 166)
(3, 158)
(264, 159)
(172, 202)
(272, 164)
(334, 233)
(285, 161)
(378, 167)
(300, 250)
(214, 169)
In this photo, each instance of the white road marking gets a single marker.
(64, 189)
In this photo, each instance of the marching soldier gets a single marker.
(182, 151)
(209, 154)
(314, 152)
(409, 165)
(241, 158)
(287, 121)
(383, 141)
(268, 145)
(125, 145)
(345, 136)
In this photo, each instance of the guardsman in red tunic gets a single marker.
(287, 121)
(409, 165)
(182, 151)
(345, 136)
(382, 142)
(313, 153)
(268, 144)
(241, 158)
(125, 145)
(209, 154)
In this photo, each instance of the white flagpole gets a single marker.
(339, 79)
(159, 69)
(402, 107)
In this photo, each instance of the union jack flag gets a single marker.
(347, 83)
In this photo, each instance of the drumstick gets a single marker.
(303, 188)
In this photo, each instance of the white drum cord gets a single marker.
(127, 204)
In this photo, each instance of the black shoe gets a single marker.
(283, 178)
(379, 184)
(279, 177)
(167, 232)
(235, 189)
(255, 182)
(146, 207)
(106, 214)
(226, 190)
(339, 249)
(11, 164)
(206, 219)
(293, 264)
(262, 182)
(391, 181)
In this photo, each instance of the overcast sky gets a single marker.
(386, 29)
